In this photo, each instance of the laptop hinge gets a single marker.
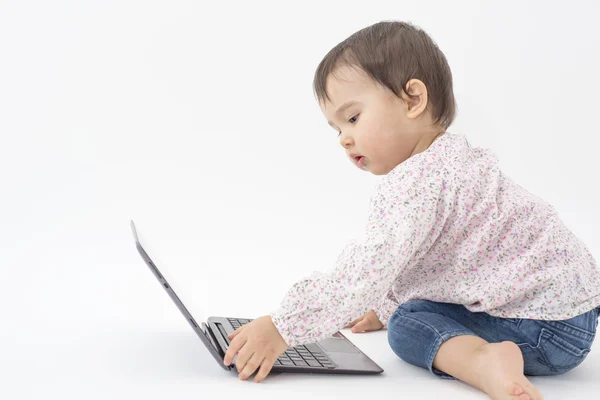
(208, 332)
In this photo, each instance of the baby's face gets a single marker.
(376, 126)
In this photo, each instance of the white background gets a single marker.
(198, 120)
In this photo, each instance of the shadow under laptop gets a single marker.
(166, 355)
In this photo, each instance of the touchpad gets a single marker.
(337, 346)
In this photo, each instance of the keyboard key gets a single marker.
(300, 363)
(287, 362)
(313, 363)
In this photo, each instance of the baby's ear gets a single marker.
(415, 97)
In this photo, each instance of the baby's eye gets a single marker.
(351, 121)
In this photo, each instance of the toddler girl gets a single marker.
(475, 278)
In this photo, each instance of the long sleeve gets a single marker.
(386, 307)
(403, 212)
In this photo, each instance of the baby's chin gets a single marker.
(376, 170)
(379, 172)
(380, 169)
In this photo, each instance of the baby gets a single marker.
(475, 278)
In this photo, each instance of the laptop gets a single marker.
(334, 355)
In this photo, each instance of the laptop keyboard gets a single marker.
(309, 355)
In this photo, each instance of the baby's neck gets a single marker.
(427, 139)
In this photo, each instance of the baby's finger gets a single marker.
(265, 368)
(361, 326)
(351, 324)
(236, 332)
(251, 366)
(234, 347)
(243, 357)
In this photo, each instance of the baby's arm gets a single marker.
(386, 307)
(403, 213)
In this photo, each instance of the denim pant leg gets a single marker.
(418, 328)
(416, 335)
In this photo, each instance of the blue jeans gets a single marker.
(418, 328)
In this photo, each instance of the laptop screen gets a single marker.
(198, 325)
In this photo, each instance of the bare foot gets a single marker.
(501, 365)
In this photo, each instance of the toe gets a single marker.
(518, 390)
(534, 393)
(514, 390)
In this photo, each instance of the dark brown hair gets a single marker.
(392, 53)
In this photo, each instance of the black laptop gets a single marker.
(335, 355)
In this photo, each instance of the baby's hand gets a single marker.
(258, 342)
(366, 323)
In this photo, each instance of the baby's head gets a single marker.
(400, 86)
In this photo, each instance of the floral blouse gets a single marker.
(448, 226)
